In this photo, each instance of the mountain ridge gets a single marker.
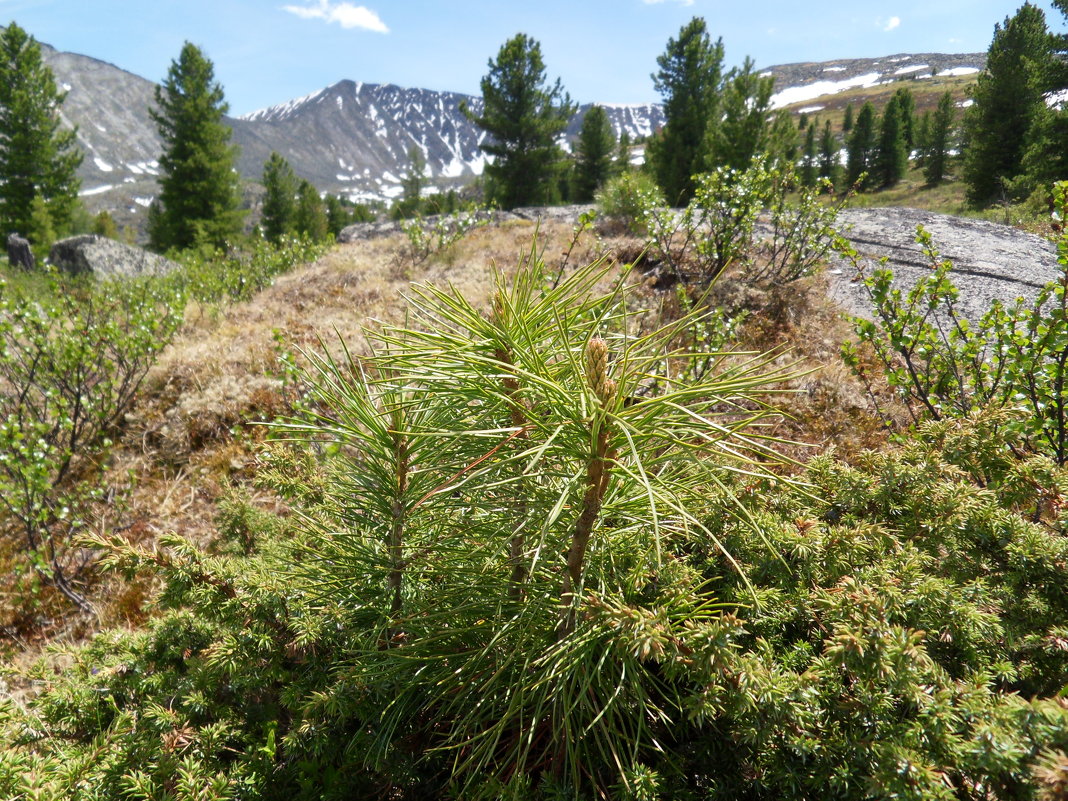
(353, 138)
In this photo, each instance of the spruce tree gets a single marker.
(523, 117)
(809, 167)
(593, 157)
(689, 81)
(847, 119)
(337, 216)
(414, 181)
(623, 152)
(891, 157)
(906, 106)
(310, 218)
(829, 150)
(38, 158)
(923, 139)
(198, 200)
(742, 130)
(104, 225)
(1008, 96)
(41, 230)
(280, 200)
(1046, 156)
(937, 150)
(860, 147)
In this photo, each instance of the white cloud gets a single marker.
(344, 14)
(652, 2)
(892, 23)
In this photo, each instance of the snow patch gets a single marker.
(907, 70)
(100, 128)
(102, 165)
(834, 69)
(798, 94)
(96, 190)
(283, 110)
(957, 71)
(966, 103)
(1057, 100)
(340, 103)
(810, 109)
(143, 201)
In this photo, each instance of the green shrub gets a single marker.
(802, 230)
(433, 238)
(629, 198)
(897, 633)
(946, 366)
(212, 276)
(70, 364)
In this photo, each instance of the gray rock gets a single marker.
(990, 261)
(106, 258)
(19, 253)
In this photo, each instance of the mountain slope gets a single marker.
(354, 138)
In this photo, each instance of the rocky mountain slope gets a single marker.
(354, 138)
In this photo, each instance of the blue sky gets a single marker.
(271, 51)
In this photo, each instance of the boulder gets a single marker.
(19, 253)
(106, 258)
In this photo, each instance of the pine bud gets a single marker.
(597, 367)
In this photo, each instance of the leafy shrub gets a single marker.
(715, 230)
(435, 237)
(70, 365)
(215, 276)
(946, 366)
(72, 356)
(802, 230)
(629, 198)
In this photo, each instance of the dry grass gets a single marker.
(191, 435)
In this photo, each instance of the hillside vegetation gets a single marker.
(549, 534)
(615, 507)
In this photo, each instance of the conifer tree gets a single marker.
(829, 150)
(847, 119)
(809, 167)
(40, 229)
(310, 219)
(906, 106)
(689, 80)
(415, 178)
(623, 152)
(1008, 96)
(198, 200)
(38, 158)
(337, 216)
(923, 139)
(742, 130)
(280, 200)
(594, 150)
(1046, 156)
(861, 146)
(523, 117)
(104, 225)
(891, 157)
(937, 149)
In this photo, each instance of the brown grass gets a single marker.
(191, 435)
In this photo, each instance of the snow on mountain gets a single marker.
(354, 138)
(804, 82)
